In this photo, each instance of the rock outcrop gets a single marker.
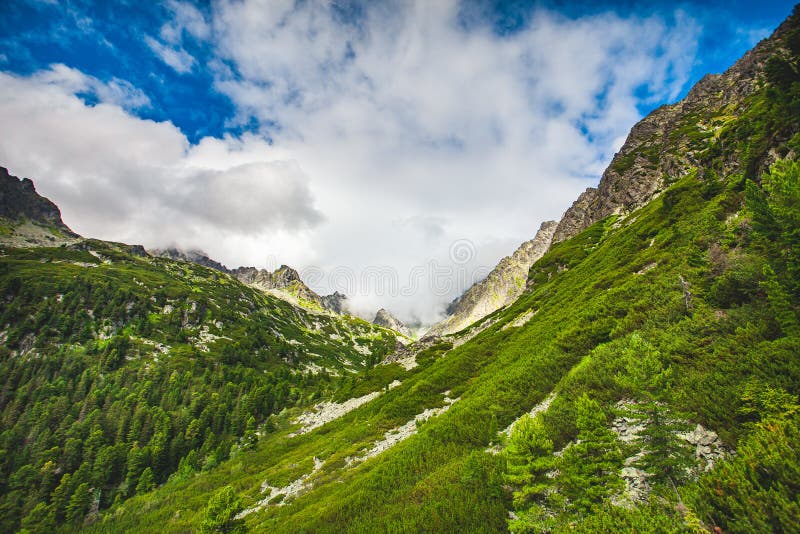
(29, 219)
(335, 302)
(501, 287)
(387, 320)
(669, 142)
(19, 201)
(283, 282)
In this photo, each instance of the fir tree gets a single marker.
(220, 514)
(589, 468)
(666, 457)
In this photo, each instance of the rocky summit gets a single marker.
(501, 287)
(386, 319)
(27, 218)
(194, 256)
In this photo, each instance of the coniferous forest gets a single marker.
(646, 380)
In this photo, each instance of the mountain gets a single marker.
(121, 370)
(656, 337)
(674, 138)
(645, 379)
(194, 256)
(26, 218)
(656, 153)
(387, 320)
(500, 288)
(284, 282)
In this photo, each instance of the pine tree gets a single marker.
(529, 458)
(250, 438)
(78, 504)
(589, 468)
(146, 482)
(220, 514)
(666, 456)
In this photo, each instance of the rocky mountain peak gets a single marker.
(661, 149)
(19, 201)
(387, 320)
(501, 287)
(194, 256)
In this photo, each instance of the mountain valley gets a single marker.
(634, 367)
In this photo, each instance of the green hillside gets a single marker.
(121, 371)
(648, 378)
(681, 313)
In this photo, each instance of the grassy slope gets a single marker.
(588, 298)
(80, 326)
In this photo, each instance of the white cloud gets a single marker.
(119, 177)
(405, 115)
(116, 91)
(176, 57)
(185, 18)
(406, 131)
(185, 21)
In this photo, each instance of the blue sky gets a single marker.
(106, 40)
(343, 137)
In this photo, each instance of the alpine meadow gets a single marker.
(633, 367)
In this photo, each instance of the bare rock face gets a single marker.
(283, 282)
(335, 302)
(286, 282)
(19, 200)
(387, 320)
(503, 286)
(30, 219)
(667, 144)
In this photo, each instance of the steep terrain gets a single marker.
(677, 137)
(284, 282)
(387, 320)
(121, 370)
(26, 218)
(500, 288)
(194, 256)
(651, 341)
(654, 338)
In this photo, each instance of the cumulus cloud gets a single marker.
(408, 129)
(119, 177)
(116, 91)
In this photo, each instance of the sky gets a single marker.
(391, 150)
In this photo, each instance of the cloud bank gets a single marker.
(381, 137)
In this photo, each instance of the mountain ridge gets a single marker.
(647, 377)
(632, 179)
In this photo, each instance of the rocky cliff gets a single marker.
(672, 140)
(286, 282)
(27, 218)
(501, 287)
(387, 320)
